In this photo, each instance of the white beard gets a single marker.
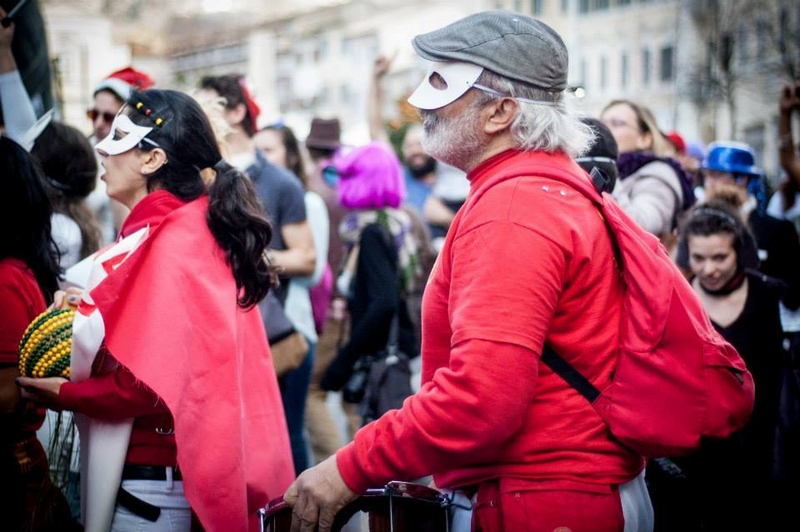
(454, 141)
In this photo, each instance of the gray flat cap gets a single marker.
(513, 45)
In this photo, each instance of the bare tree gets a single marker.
(788, 37)
(747, 44)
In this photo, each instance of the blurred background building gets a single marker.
(710, 69)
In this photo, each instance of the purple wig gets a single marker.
(370, 177)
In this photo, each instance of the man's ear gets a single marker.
(152, 160)
(500, 114)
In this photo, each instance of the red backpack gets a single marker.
(677, 381)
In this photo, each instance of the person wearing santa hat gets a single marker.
(109, 96)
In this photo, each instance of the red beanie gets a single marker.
(677, 141)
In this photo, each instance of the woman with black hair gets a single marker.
(172, 382)
(730, 484)
(70, 169)
(28, 279)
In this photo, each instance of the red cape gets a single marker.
(171, 317)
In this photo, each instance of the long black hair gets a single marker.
(25, 216)
(235, 218)
(70, 168)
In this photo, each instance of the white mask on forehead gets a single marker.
(133, 135)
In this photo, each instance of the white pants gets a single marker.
(637, 510)
(176, 516)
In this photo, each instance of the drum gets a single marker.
(397, 507)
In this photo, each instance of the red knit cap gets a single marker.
(677, 141)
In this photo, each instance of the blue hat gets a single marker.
(731, 157)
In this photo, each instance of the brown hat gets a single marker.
(324, 134)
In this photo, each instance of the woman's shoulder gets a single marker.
(16, 277)
(13, 267)
(373, 239)
(765, 286)
(67, 235)
(374, 233)
(314, 202)
(653, 176)
(658, 168)
(65, 227)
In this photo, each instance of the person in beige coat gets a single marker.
(652, 188)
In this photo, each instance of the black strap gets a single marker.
(600, 180)
(566, 371)
(394, 327)
(137, 506)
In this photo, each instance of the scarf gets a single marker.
(398, 224)
(628, 163)
(730, 287)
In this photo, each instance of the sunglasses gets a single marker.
(93, 114)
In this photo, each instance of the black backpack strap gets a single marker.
(394, 328)
(566, 371)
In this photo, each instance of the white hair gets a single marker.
(550, 126)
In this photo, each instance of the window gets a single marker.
(645, 66)
(321, 50)
(583, 6)
(584, 72)
(762, 37)
(603, 72)
(624, 71)
(564, 6)
(537, 7)
(666, 71)
(323, 96)
(601, 4)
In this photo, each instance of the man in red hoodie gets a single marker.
(527, 260)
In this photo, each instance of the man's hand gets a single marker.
(790, 97)
(317, 496)
(42, 391)
(381, 66)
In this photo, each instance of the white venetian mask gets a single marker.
(124, 136)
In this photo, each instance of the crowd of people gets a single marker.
(168, 226)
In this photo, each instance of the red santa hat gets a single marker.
(122, 82)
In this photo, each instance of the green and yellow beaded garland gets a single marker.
(46, 346)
